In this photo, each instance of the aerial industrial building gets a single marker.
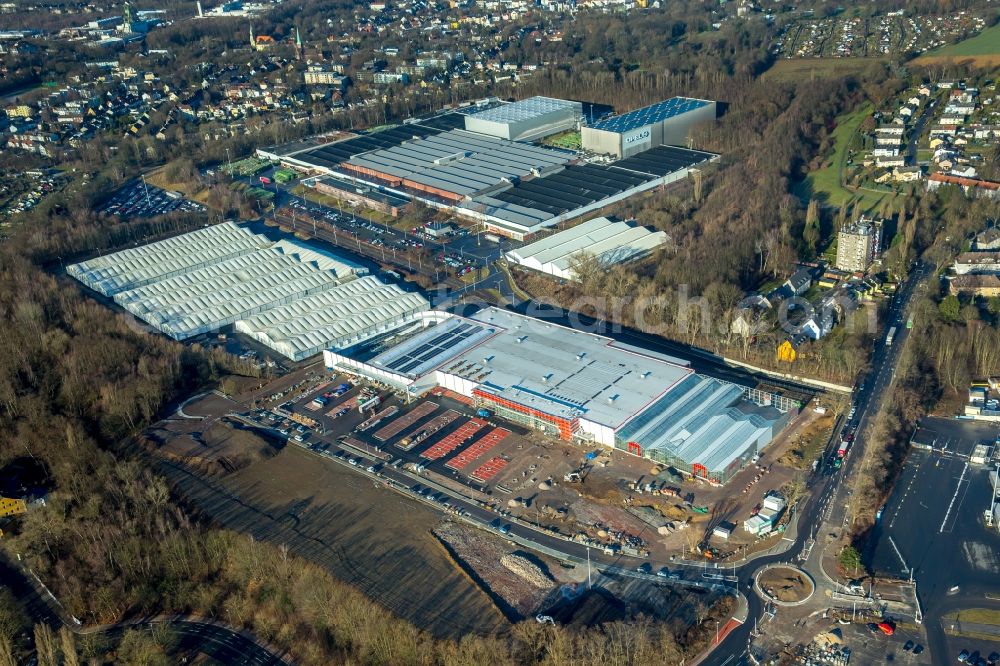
(476, 161)
(578, 386)
(137, 267)
(527, 207)
(289, 296)
(608, 242)
(665, 123)
(345, 315)
(527, 120)
(454, 165)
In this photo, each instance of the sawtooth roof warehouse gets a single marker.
(479, 163)
(579, 386)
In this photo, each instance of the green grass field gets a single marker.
(804, 69)
(568, 140)
(983, 50)
(985, 43)
(825, 182)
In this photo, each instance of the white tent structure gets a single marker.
(218, 295)
(348, 314)
(137, 267)
(290, 296)
(609, 242)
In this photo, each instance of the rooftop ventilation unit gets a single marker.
(646, 374)
(547, 377)
(612, 398)
(454, 157)
(580, 356)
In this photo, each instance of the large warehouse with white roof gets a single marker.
(608, 242)
(136, 267)
(289, 296)
(528, 119)
(579, 386)
(345, 315)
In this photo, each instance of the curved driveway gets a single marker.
(215, 640)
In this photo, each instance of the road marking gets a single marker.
(899, 555)
(953, 497)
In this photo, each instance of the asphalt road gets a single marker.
(825, 486)
(218, 642)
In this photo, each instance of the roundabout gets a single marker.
(784, 584)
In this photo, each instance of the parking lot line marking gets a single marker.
(953, 498)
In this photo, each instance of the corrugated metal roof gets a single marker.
(459, 161)
(610, 242)
(208, 298)
(134, 267)
(698, 423)
(346, 314)
(526, 109)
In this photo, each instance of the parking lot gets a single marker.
(461, 250)
(440, 434)
(138, 199)
(933, 528)
(933, 522)
(869, 645)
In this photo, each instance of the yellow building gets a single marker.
(19, 111)
(786, 351)
(12, 507)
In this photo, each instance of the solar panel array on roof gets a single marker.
(444, 122)
(662, 160)
(332, 154)
(434, 347)
(572, 187)
(648, 115)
